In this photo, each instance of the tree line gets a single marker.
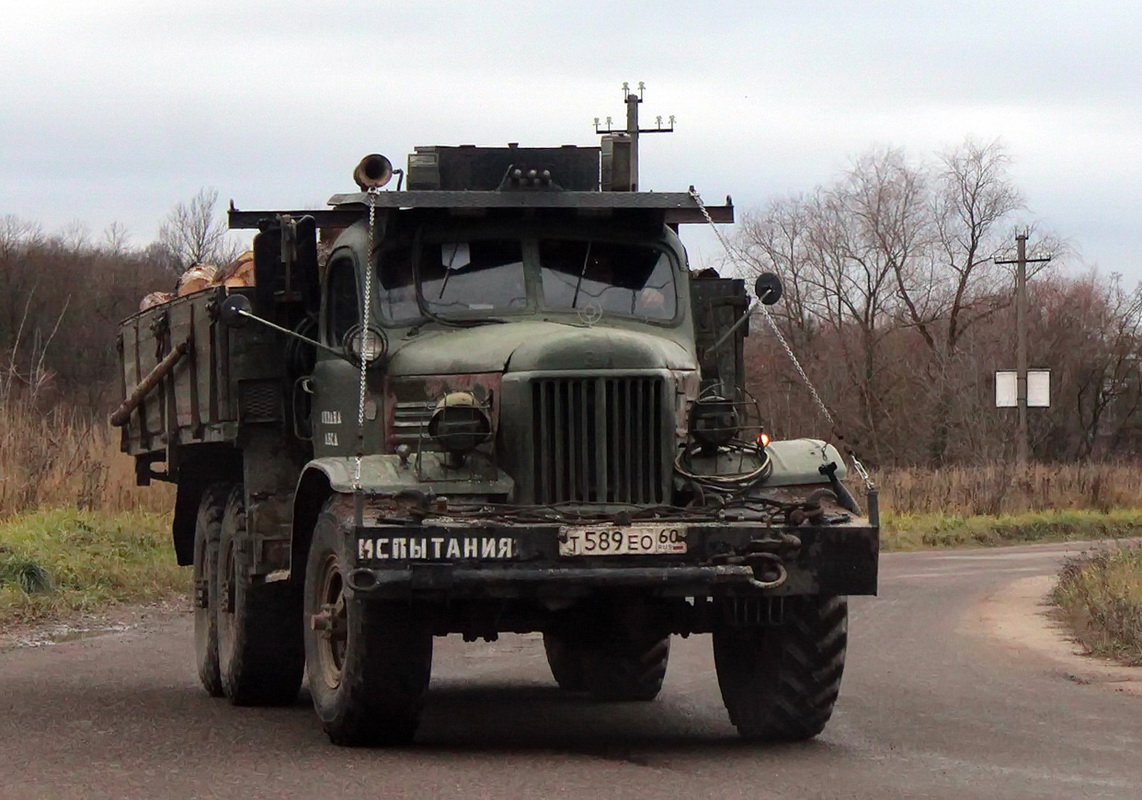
(63, 295)
(900, 314)
(893, 302)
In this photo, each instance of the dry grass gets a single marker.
(998, 489)
(60, 458)
(63, 458)
(1100, 593)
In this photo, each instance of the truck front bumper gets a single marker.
(451, 559)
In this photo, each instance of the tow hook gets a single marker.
(768, 570)
(809, 511)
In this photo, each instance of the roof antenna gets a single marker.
(631, 132)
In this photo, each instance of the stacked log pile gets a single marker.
(238, 273)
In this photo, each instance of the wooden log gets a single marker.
(161, 370)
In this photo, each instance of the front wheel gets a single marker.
(780, 682)
(368, 662)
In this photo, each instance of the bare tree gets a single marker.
(18, 234)
(116, 239)
(1090, 329)
(193, 234)
(890, 267)
(75, 235)
(836, 261)
(777, 240)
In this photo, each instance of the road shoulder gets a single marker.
(117, 620)
(1019, 615)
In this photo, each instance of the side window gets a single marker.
(342, 309)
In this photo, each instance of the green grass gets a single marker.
(57, 562)
(928, 531)
(1100, 594)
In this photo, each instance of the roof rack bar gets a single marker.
(325, 218)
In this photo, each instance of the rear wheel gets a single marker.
(261, 659)
(610, 665)
(207, 532)
(780, 682)
(629, 668)
(368, 662)
(566, 662)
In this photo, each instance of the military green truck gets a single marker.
(498, 401)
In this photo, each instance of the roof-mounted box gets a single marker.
(468, 167)
(618, 163)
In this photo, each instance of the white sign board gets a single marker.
(1038, 388)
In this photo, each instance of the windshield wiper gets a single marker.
(582, 272)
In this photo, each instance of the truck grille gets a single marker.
(598, 440)
(410, 424)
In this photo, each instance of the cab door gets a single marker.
(336, 382)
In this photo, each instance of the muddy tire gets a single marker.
(204, 600)
(368, 662)
(625, 669)
(261, 656)
(780, 682)
(566, 663)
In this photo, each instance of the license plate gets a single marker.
(621, 540)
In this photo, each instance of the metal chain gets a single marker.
(366, 314)
(857, 465)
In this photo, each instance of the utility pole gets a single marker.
(1023, 439)
(632, 130)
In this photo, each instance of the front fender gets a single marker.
(387, 474)
(323, 478)
(798, 462)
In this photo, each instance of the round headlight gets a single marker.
(713, 421)
(460, 423)
(366, 344)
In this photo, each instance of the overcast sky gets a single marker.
(115, 111)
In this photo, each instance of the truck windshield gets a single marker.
(457, 278)
(629, 279)
(478, 275)
(474, 277)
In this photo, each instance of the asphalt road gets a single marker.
(954, 688)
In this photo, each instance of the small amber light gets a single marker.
(763, 439)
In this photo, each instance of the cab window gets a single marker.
(343, 309)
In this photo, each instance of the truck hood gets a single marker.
(535, 345)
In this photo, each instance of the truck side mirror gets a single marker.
(767, 288)
(235, 311)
